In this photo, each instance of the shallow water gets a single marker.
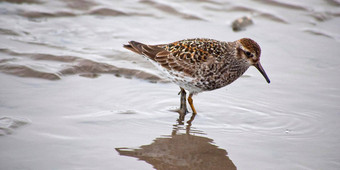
(72, 98)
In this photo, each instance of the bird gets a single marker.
(201, 64)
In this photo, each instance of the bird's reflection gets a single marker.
(185, 148)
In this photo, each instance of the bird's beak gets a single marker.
(261, 70)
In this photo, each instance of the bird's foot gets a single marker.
(182, 112)
(191, 118)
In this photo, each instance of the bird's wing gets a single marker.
(180, 56)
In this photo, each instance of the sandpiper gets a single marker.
(198, 65)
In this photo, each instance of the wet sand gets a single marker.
(71, 97)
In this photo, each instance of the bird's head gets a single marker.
(250, 51)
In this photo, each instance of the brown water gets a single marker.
(72, 98)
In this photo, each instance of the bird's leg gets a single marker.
(192, 108)
(183, 108)
(191, 103)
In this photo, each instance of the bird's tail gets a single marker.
(151, 51)
(135, 47)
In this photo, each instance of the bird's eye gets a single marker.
(249, 54)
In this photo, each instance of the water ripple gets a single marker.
(9, 124)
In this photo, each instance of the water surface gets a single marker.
(72, 98)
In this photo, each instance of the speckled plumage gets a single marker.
(199, 65)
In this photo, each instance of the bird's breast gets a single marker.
(216, 75)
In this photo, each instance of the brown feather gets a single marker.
(129, 47)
